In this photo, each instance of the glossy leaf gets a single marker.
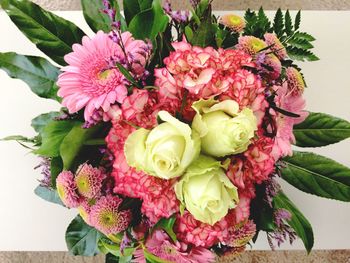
(38, 73)
(47, 194)
(82, 239)
(134, 7)
(320, 129)
(317, 175)
(52, 137)
(40, 122)
(73, 142)
(298, 221)
(157, 22)
(96, 19)
(52, 34)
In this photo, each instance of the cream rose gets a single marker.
(164, 152)
(224, 130)
(205, 190)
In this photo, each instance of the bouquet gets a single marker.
(175, 128)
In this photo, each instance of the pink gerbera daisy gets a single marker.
(91, 79)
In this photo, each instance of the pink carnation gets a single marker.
(66, 188)
(290, 102)
(106, 217)
(91, 79)
(192, 231)
(161, 246)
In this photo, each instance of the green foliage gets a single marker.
(56, 166)
(96, 19)
(288, 24)
(134, 7)
(257, 24)
(204, 35)
(298, 221)
(49, 195)
(82, 239)
(150, 258)
(52, 136)
(301, 54)
(317, 175)
(150, 22)
(278, 24)
(297, 21)
(127, 75)
(320, 129)
(38, 73)
(167, 224)
(52, 34)
(114, 252)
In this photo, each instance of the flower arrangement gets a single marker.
(174, 128)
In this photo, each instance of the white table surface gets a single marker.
(29, 223)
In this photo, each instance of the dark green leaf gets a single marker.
(298, 221)
(134, 7)
(300, 43)
(320, 129)
(167, 224)
(297, 21)
(205, 34)
(304, 36)
(318, 175)
(52, 34)
(288, 23)
(39, 122)
(127, 74)
(39, 74)
(157, 22)
(111, 259)
(47, 194)
(52, 137)
(56, 167)
(73, 142)
(18, 138)
(82, 239)
(301, 54)
(96, 19)
(278, 24)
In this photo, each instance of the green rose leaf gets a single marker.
(38, 73)
(52, 137)
(298, 222)
(96, 19)
(134, 7)
(317, 175)
(157, 22)
(320, 129)
(73, 142)
(48, 194)
(52, 34)
(82, 239)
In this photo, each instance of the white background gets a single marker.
(29, 223)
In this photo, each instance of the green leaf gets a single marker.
(301, 54)
(157, 22)
(300, 43)
(39, 122)
(304, 36)
(134, 7)
(167, 224)
(82, 239)
(297, 21)
(111, 258)
(320, 129)
(73, 142)
(150, 258)
(288, 23)
(96, 19)
(18, 138)
(317, 175)
(205, 34)
(189, 33)
(49, 195)
(52, 34)
(278, 24)
(127, 75)
(38, 73)
(52, 137)
(298, 221)
(56, 167)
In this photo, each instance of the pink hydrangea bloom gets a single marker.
(192, 231)
(275, 45)
(161, 246)
(248, 91)
(91, 79)
(290, 102)
(89, 181)
(159, 199)
(67, 189)
(106, 217)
